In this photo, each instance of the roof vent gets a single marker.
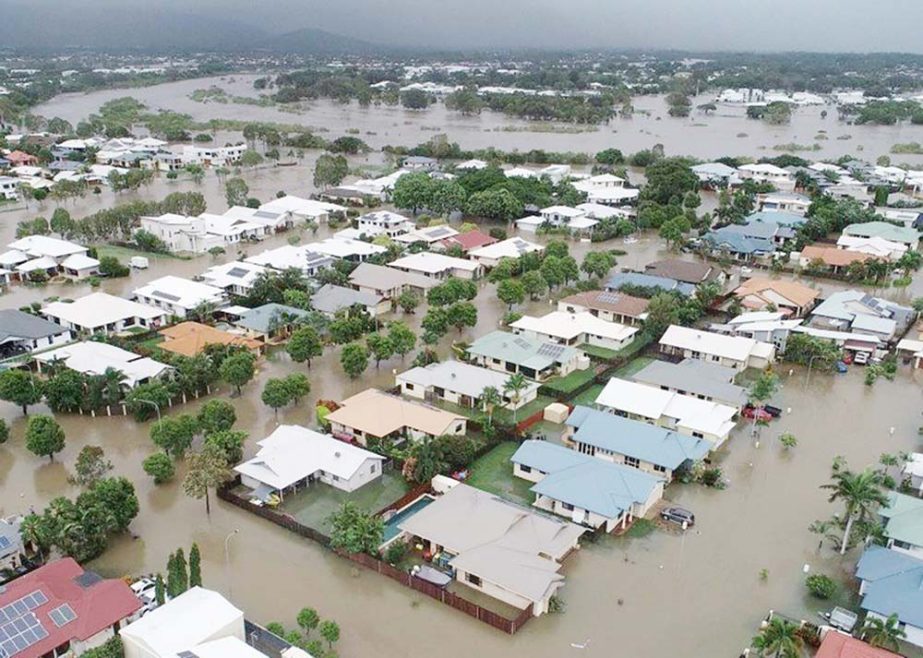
(336, 454)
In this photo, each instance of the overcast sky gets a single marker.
(823, 25)
(777, 25)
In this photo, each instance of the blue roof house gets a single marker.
(638, 280)
(743, 241)
(891, 582)
(588, 491)
(648, 448)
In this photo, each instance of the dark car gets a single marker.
(678, 515)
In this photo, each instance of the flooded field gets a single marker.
(667, 594)
(725, 132)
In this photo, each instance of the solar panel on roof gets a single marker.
(439, 232)
(165, 295)
(551, 350)
(20, 634)
(609, 297)
(524, 344)
(238, 272)
(62, 615)
(5, 542)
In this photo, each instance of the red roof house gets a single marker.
(58, 606)
(469, 240)
(839, 645)
(20, 159)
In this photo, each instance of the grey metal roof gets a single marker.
(696, 377)
(330, 298)
(15, 324)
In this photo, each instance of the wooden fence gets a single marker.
(456, 601)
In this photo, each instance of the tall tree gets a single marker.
(779, 639)
(402, 338)
(44, 437)
(861, 493)
(355, 359)
(883, 633)
(515, 385)
(208, 469)
(238, 369)
(216, 415)
(21, 388)
(304, 344)
(195, 566)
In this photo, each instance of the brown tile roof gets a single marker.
(614, 302)
(470, 240)
(191, 338)
(832, 256)
(682, 270)
(795, 292)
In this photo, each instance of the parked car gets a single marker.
(678, 515)
(751, 412)
(775, 412)
(841, 367)
(861, 358)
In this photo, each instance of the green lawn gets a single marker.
(125, 253)
(570, 383)
(588, 397)
(596, 352)
(539, 403)
(493, 472)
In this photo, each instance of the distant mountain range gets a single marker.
(40, 27)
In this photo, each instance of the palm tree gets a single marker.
(490, 398)
(883, 633)
(779, 639)
(514, 386)
(860, 492)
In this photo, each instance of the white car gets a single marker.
(861, 358)
(146, 591)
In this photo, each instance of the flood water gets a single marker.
(663, 595)
(724, 132)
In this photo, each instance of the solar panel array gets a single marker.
(439, 232)
(609, 297)
(165, 295)
(524, 344)
(238, 272)
(5, 542)
(551, 350)
(19, 627)
(63, 614)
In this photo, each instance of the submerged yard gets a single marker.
(493, 472)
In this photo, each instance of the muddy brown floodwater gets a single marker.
(698, 594)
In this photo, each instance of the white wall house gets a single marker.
(492, 254)
(384, 222)
(732, 351)
(303, 210)
(575, 329)
(22, 332)
(781, 179)
(438, 266)
(9, 188)
(461, 384)
(178, 296)
(182, 234)
(236, 277)
(102, 313)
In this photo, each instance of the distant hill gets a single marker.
(43, 25)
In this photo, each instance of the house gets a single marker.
(913, 471)
(742, 241)
(51, 255)
(304, 258)
(593, 492)
(235, 278)
(890, 584)
(192, 624)
(732, 351)
(355, 251)
(294, 456)
(380, 416)
(652, 449)
(490, 255)
(179, 296)
(715, 175)
(182, 234)
(9, 188)
(840, 645)
(438, 266)
(384, 222)
(536, 359)
(94, 358)
(768, 173)
(471, 165)
(495, 547)
(60, 608)
(885, 230)
(270, 321)
(692, 272)
(461, 384)
(431, 235)
(331, 299)
(852, 310)
(304, 210)
(419, 163)
(468, 241)
(21, 159)
(234, 230)
(817, 256)
(606, 189)
(21, 333)
(12, 547)
(609, 306)
(685, 413)
(567, 217)
(191, 338)
(791, 298)
(762, 326)
(902, 519)
(704, 380)
(583, 328)
(272, 221)
(635, 280)
(599, 182)
(102, 313)
(388, 282)
(797, 204)
(602, 212)
(875, 247)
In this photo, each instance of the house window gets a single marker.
(336, 478)
(632, 461)
(567, 507)
(408, 386)
(458, 428)
(660, 469)
(474, 580)
(698, 435)
(440, 392)
(373, 468)
(525, 469)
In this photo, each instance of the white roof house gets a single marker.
(37, 246)
(197, 618)
(601, 211)
(233, 229)
(181, 233)
(384, 222)
(344, 249)
(764, 172)
(178, 296)
(684, 413)
(95, 358)
(575, 329)
(292, 454)
(272, 220)
(303, 209)
(101, 312)
(236, 277)
(490, 255)
(460, 383)
(734, 351)
(430, 235)
(303, 258)
(874, 246)
(438, 266)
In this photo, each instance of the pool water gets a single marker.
(391, 526)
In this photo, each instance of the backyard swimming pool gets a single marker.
(391, 525)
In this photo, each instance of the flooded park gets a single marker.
(701, 592)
